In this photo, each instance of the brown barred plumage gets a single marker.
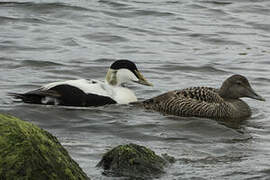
(223, 103)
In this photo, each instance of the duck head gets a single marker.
(123, 71)
(237, 86)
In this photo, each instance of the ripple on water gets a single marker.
(105, 37)
(114, 3)
(209, 69)
(41, 7)
(152, 13)
(8, 20)
(34, 63)
(219, 3)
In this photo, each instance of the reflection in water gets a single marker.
(176, 44)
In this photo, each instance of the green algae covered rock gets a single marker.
(132, 161)
(28, 152)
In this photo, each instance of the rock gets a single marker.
(132, 161)
(28, 152)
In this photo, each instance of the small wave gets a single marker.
(42, 6)
(262, 79)
(205, 68)
(214, 160)
(221, 41)
(137, 13)
(117, 14)
(152, 13)
(221, 3)
(141, 30)
(70, 42)
(179, 29)
(104, 60)
(105, 37)
(201, 35)
(196, 6)
(4, 19)
(214, 39)
(216, 12)
(260, 26)
(34, 63)
(25, 48)
(113, 3)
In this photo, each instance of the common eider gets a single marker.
(84, 92)
(222, 103)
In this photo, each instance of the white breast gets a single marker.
(124, 95)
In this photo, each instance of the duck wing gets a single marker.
(80, 92)
(197, 101)
(35, 96)
(206, 94)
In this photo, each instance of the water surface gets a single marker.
(175, 44)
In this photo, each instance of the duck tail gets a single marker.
(25, 97)
(16, 95)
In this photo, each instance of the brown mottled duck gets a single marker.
(222, 103)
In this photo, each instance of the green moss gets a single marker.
(132, 161)
(28, 152)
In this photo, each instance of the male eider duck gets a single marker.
(222, 103)
(84, 93)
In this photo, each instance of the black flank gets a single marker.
(72, 96)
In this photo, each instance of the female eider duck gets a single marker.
(222, 103)
(84, 93)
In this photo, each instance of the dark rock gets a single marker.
(28, 152)
(132, 161)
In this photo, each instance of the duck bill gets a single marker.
(142, 80)
(254, 95)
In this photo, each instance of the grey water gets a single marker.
(175, 44)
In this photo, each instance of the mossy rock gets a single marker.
(133, 161)
(28, 152)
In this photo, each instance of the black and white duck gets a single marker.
(84, 92)
(222, 103)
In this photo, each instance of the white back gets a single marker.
(85, 85)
